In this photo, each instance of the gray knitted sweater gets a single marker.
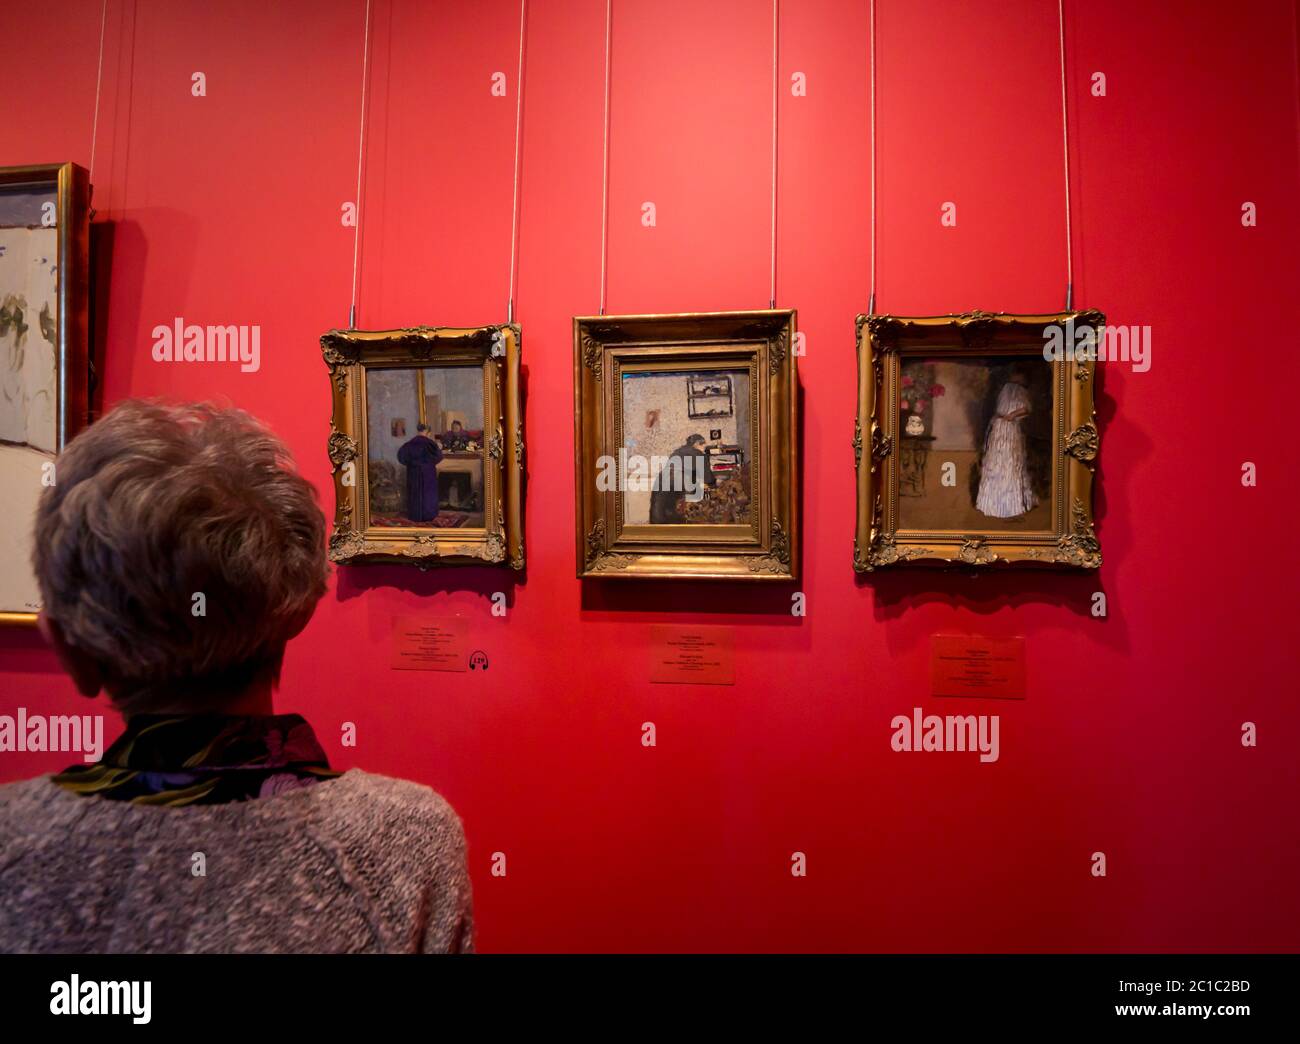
(356, 864)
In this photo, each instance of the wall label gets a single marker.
(421, 643)
(692, 655)
(968, 665)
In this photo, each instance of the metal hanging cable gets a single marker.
(604, 192)
(1065, 144)
(1065, 148)
(604, 200)
(871, 47)
(99, 82)
(519, 125)
(361, 153)
(775, 52)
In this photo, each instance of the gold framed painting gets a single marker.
(427, 446)
(976, 440)
(44, 345)
(686, 431)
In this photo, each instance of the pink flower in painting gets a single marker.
(907, 381)
(902, 404)
(936, 390)
(920, 405)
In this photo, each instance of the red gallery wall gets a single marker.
(226, 209)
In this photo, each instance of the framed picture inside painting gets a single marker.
(976, 440)
(427, 446)
(44, 346)
(686, 446)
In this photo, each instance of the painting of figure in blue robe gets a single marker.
(434, 478)
(420, 457)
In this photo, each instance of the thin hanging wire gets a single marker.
(519, 125)
(871, 305)
(604, 202)
(775, 37)
(1065, 142)
(99, 82)
(361, 153)
(604, 191)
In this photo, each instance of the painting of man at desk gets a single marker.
(689, 433)
(431, 477)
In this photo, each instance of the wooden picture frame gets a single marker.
(757, 499)
(67, 187)
(359, 536)
(1063, 535)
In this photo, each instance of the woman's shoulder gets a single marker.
(387, 793)
(359, 807)
(381, 809)
(36, 805)
(25, 798)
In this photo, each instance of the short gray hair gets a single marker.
(155, 504)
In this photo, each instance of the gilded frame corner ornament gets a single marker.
(766, 548)
(496, 351)
(883, 344)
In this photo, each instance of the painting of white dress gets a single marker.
(28, 379)
(1005, 487)
(975, 441)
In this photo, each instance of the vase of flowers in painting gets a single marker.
(916, 403)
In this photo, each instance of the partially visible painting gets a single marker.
(427, 445)
(974, 444)
(44, 304)
(687, 446)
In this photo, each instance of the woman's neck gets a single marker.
(256, 699)
(253, 700)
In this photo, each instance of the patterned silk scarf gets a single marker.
(207, 759)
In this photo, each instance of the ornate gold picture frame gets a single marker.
(686, 431)
(427, 446)
(976, 440)
(45, 345)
